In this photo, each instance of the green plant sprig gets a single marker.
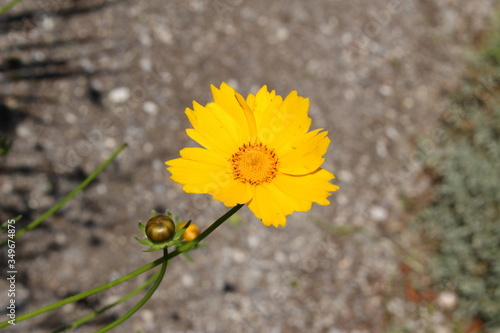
(94, 314)
(8, 6)
(143, 300)
(68, 197)
(180, 249)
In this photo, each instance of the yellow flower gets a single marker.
(256, 151)
(190, 233)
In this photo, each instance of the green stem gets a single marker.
(94, 314)
(9, 6)
(61, 203)
(144, 299)
(130, 275)
(87, 293)
(208, 231)
(5, 225)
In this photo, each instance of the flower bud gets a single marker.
(191, 232)
(160, 228)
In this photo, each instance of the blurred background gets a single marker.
(391, 81)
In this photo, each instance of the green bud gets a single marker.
(160, 228)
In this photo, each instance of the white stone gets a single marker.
(48, 23)
(447, 300)
(187, 280)
(253, 241)
(145, 39)
(147, 315)
(119, 95)
(345, 176)
(378, 213)
(238, 256)
(150, 107)
(392, 133)
(381, 148)
(23, 131)
(146, 64)
(70, 118)
(282, 34)
(385, 90)
(110, 143)
(164, 35)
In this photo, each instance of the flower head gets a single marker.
(256, 151)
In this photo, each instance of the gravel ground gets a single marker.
(79, 78)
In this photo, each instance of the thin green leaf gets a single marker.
(8, 6)
(67, 198)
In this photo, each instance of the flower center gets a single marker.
(254, 163)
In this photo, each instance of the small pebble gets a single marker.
(385, 90)
(150, 107)
(378, 213)
(119, 95)
(447, 300)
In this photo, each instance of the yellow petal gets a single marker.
(203, 156)
(270, 205)
(237, 131)
(226, 99)
(249, 115)
(304, 154)
(304, 190)
(235, 192)
(260, 102)
(213, 128)
(266, 106)
(282, 121)
(200, 171)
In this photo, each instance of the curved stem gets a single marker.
(144, 299)
(94, 314)
(143, 269)
(87, 293)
